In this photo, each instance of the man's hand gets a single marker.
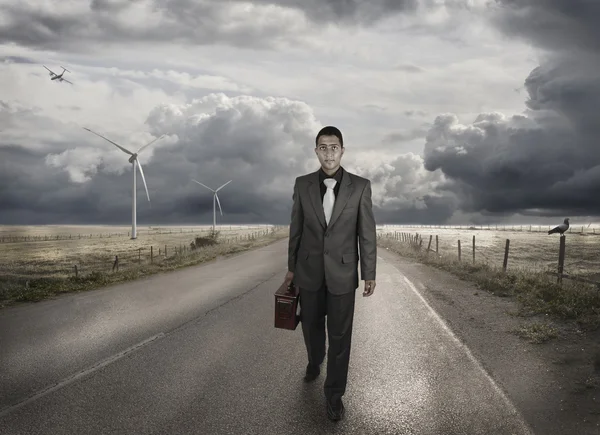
(289, 276)
(369, 288)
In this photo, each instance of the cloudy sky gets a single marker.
(458, 111)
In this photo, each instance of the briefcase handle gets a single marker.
(291, 288)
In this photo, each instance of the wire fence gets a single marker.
(78, 258)
(579, 229)
(573, 256)
(26, 236)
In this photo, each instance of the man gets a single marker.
(331, 213)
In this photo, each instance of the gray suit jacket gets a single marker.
(319, 251)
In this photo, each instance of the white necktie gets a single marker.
(329, 198)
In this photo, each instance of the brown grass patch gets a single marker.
(32, 271)
(537, 292)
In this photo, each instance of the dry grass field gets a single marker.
(531, 254)
(54, 251)
(40, 261)
(529, 250)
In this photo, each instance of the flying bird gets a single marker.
(561, 228)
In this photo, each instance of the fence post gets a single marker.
(505, 255)
(116, 263)
(139, 255)
(76, 272)
(459, 250)
(429, 245)
(151, 255)
(561, 258)
(473, 249)
(436, 244)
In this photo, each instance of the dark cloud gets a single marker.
(347, 11)
(407, 135)
(213, 140)
(17, 59)
(409, 68)
(551, 24)
(110, 5)
(546, 159)
(261, 144)
(436, 210)
(197, 23)
(405, 192)
(32, 193)
(193, 22)
(415, 113)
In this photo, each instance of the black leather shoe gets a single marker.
(335, 411)
(312, 372)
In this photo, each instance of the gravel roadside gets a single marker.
(555, 384)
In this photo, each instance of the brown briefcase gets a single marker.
(287, 314)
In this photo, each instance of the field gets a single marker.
(41, 261)
(28, 252)
(533, 249)
(54, 251)
(573, 303)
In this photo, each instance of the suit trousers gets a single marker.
(339, 310)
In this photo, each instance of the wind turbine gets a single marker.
(135, 162)
(215, 201)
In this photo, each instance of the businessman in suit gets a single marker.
(331, 216)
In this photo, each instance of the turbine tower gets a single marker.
(135, 162)
(215, 201)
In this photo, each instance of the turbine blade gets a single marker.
(143, 178)
(115, 144)
(218, 202)
(224, 185)
(150, 143)
(203, 185)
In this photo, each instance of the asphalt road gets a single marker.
(195, 352)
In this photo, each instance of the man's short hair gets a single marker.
(330, 131)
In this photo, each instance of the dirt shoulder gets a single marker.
(554, 384)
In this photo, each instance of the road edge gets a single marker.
(536, 377)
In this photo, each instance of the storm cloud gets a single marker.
(546, 159)
(213, 140)
(263, 24)
(404, 80)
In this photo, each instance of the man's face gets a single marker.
(330, 152)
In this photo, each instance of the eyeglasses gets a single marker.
(332, 148)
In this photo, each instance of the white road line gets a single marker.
(79, 375)
(474, 360)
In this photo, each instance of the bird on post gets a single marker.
(561, 228)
